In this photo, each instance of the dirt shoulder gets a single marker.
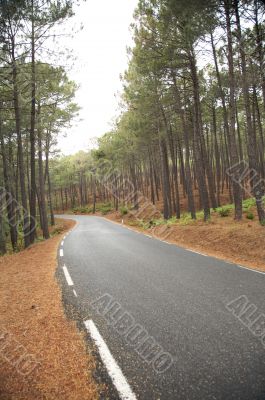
(238, 242)
(42, 354)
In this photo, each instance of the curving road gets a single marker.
(162, 313)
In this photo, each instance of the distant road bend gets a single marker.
(178, 302)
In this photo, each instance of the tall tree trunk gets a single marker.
(11, 214)
(20, 163)
(32, 132)
(134, 194)
(236, 174)
(198, 138)
(45, 227)
(258, 189)
(47, 174)
(261, 145)
(165, 179)
(2, 230)
(175, 192)
(260, 50)
(94, 193)
(217, 156)
(181, 112)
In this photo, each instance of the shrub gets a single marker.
(105, 208)
(57, 230)
(248, 203)
(124, 210)
(185, 219)
(144, 224)
(224, 212)
(157, 221)
(82, 210)
(250, 215)
(171, 220)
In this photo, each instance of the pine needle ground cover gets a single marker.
(33, 325)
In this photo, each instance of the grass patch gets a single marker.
(104, 208)
(82, 210)
(185, 219)
(123, 210)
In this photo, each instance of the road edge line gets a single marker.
(114, 371)
(227, 262)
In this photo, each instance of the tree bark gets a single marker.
(257, 183)
(32, 132)
(45, 227)
(237, 191)
(2, 231)
(20, 163)
(198, 137)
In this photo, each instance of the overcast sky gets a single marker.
(100, 49)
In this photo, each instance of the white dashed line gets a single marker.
(62, 242)
(74, 292)
(67, 276)
(111, 365)
(61, 252)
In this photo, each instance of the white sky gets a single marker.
(100, 49)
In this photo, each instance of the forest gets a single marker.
(36, 104)
(190, 134)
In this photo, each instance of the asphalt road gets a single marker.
(176, 299)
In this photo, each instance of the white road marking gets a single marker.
(74, 292)
(111, 365)
(67, 276)
(62, 242)
(64, 237)
(61, 252)
(197, 252)
(250, 269)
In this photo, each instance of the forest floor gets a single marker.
(42, 354)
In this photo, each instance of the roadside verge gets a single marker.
(42, 354)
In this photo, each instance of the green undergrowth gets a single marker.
(123, 210)
(228, 209)
(104, 208)
(185, 219)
